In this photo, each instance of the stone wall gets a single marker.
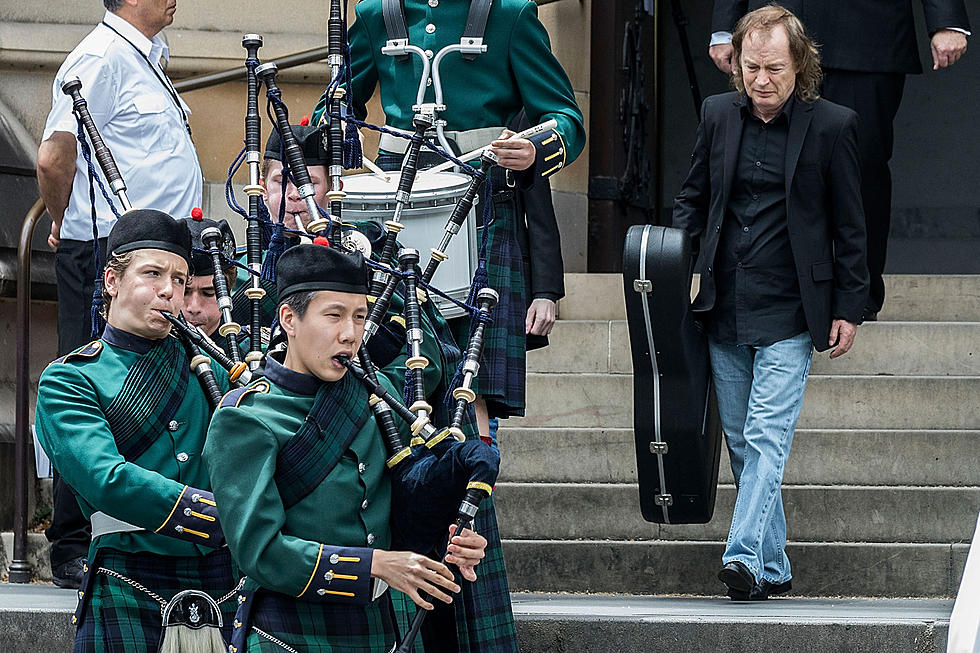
(206, 38)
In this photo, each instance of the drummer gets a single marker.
(517, 71)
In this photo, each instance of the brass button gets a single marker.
(334, 559)
(328, 576)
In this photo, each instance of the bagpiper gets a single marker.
(124, 423)
(298, 465)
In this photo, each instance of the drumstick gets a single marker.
(527, 133)
(378, 172)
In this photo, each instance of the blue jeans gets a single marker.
(760, 394)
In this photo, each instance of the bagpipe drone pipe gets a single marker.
(200, 364)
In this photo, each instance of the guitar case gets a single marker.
(675, 423)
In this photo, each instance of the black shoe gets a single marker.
(738, 578)
(68, 575)
(764, 589)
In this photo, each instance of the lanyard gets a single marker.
(160, 77)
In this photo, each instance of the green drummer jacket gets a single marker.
(518, 70)
(318, 546)
(152, 488)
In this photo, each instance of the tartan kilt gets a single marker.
(502, 369)
(119, 618)
(501, 379)
(484, 617)
(319, 627)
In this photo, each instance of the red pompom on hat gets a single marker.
(305, 121)
(197, 213)
(321, 240)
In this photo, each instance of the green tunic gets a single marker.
(74, 395)
(517, 71)
(316, 546)
(278, 547)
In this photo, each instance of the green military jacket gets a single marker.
(96, 409)
(517, 71)
(319, 546)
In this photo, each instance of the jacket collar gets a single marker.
(290, 380)
(126, 340)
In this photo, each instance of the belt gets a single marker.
(103, 524)
(466, 141)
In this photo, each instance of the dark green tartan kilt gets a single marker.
(119, 618)
(319, 627)
(501, 379)
(484, 617)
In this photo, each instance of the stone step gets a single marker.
(832, 402)
(594, 511)
(36, 618)
(38, 556)
(818, 457)
(685, 567)
(591, 624)
(889, 348)
(909, 297)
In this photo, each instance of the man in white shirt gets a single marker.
(144, 123)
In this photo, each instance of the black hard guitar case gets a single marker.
(675, 423)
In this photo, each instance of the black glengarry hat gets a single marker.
(203, 263)
(318, 267)
(150, 229)
(310, 139)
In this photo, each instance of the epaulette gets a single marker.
(234, 397)
(91, 350)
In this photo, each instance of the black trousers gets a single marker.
(70, 533)
(876, 98)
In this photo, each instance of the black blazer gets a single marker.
(876, 36)
(823, 209)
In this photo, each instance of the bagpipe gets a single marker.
(440, 477)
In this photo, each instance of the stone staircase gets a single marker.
(881, 490)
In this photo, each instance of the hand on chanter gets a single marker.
(413, 573)
(465, 551)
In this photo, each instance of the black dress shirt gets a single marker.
(758, 295)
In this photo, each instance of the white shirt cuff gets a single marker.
(720, 38)
(960, 30)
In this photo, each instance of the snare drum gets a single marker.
(434, 197)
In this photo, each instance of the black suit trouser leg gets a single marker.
(70, 532)
(876, 98)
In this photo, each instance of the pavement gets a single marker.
(36, 618)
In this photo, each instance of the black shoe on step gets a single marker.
(68, 575)
(764, 589)
(737, 577)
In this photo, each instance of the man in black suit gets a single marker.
(773, 205)
(867, 48)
